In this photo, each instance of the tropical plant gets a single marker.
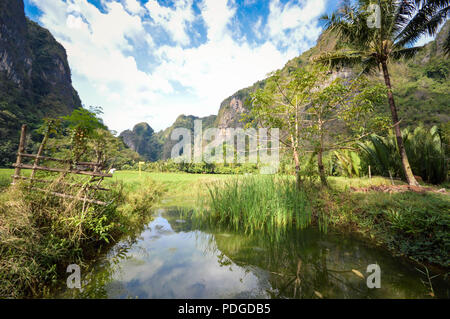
(349, 163)
(426, 149)
(400, 24)
(381, 154)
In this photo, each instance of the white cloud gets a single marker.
(217, 15)
(174, 21)
(134, 7)
(294, 24)
(257, 28)
(103, 54)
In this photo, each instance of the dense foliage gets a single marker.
(427, 149)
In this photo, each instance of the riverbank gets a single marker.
(40, 235)
(37, 240)
(411, 224)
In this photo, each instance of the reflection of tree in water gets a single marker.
(98, 278)
(295, 264)
(299, 264)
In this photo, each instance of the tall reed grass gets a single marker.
(256, 203)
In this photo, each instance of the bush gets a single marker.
(41, 234)
(426, 149)
(411, 224)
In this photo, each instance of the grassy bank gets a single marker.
(411, 224)
(416, 225)
(40, 235)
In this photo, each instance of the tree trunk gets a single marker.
(297, 168)
(405, 162)
(323, 177)
(296, 162)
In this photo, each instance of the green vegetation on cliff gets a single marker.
(35, 78)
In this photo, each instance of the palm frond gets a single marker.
(369, 64)
(404, 12)
(425, 20)
(350, 25)
(406, 53)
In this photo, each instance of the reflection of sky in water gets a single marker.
(180, 265)
(170, 260)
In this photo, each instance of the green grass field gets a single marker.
(181, 189)
(5, 176)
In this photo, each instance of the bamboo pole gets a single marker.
(93, 201)
(46, 158)
(23, 135)
(66, 184)
(61, 170)
(39, 153)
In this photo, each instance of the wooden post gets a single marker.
(23, 136)
(392, 180)
(41, 149)
(370, 173)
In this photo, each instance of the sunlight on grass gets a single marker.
(181, 189)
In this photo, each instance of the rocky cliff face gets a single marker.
(143, 141)
(35, 78)
(15, 53)
(33, 62)
(183, 121)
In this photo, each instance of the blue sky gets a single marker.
(151, 60)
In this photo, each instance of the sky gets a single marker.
(152, 60)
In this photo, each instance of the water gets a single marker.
(172, 258)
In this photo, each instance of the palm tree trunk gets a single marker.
(405, 162)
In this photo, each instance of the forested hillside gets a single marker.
(35, 78)
(421, 88)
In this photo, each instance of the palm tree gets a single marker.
(403, 22)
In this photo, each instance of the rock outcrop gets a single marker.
(143, 141)
(35, 77)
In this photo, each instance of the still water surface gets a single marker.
(172, 258)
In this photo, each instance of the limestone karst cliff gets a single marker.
(35, 77)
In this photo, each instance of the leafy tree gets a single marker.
(308, 106)
(83, 125)
(401, 24)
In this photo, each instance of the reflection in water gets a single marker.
(172, 258)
